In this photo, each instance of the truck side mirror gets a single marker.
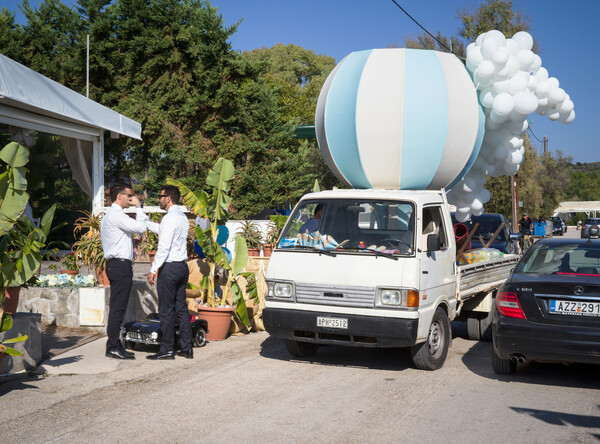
(433, 242)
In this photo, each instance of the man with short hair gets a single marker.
(116, 230)
(170, 264)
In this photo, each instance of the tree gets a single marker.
(492, 14)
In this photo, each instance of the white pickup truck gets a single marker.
(376, 268)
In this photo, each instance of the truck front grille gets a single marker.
(335, 295)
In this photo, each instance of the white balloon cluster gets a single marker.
(511, 84)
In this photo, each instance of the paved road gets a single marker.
(249, 389)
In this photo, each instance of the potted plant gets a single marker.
(6, 323)
(250, 231)
(69, 262)
(21, 242)
(214, 206)
(88, 247)
(273, 231)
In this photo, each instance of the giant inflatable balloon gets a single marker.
(399, 119)
(511, 84)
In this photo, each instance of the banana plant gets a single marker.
(13, 185)
(5, 325)
(214, 207)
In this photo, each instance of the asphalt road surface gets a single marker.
(249, 389)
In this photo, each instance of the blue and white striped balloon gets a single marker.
(399, 119)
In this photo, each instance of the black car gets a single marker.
(559, 226)
(506, 241)
(590, 227)
(147, 332)
(549, 308)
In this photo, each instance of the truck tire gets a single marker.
(301, 349)
(502, 366)
(431, 354)
(479, 326)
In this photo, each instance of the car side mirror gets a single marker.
(433, 242)
(515, 236)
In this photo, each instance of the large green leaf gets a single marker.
(14, 155)
(196, 201)
(240, 257)
(241, 310)
(12, 352)
(7, 322)
(15, 340)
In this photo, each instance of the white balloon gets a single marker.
(525, 102)
(462, 215)
(493, 138)
(516, 116)
(557, 95)
(570, 118)
(481, 83)
(553, 82)
(485, 70)
(553, 114)
(501, 153)
(526, 59)
(469, 184)
(518, 82)
(497, 119)
(567, 106)
(542, 74)
(542, 109)
(488, 48)
(479, 39)
(484, 196)
(518, 127)
(486, 97)
(497, 36)
(524, 40)
(503, 73)
(501, 56)
(476, 205)
(531, 83)
(478, 212)
(501, 85)
(474, 55)
(511, 169)
(514, 143)
(537, 63)
(513, 65)
(491, 126)
(516, 157)
(503, 105)
(512, 46)
(542, 88)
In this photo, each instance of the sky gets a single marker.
(567, 34)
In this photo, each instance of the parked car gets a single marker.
(559, 226)
(147, 332)
(506, 241)
(549, 308)
(594, 224)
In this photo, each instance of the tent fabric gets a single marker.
(79, 156)
(26, 89)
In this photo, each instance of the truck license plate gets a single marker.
(575, 308)
(332, 322)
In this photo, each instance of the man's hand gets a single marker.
(135, 201)
(151, 277)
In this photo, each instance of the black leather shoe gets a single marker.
(164, 355)
(189, 354)
(124, 350)
(117, 353)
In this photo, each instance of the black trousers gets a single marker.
(172, 304)
(120, 275)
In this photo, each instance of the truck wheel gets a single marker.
(502, 366)
(485, 326)
(301, 349)
(200, 338)
(473, 327)
(431, 354)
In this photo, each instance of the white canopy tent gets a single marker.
(587, 207)
(31, 103)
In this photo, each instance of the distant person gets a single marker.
(116, 231)
(312, 224)
(578, 225)
(525, 225)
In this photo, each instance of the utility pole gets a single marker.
(545, 147)
(514, 192)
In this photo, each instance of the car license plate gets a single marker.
(574, 308)
(332, 322)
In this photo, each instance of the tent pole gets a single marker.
(98, 174)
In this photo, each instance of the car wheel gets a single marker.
(431, 354)
(502, 366)
(301, 349)
(200, 338)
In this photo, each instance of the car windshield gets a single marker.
(348, 225)
(575, 259)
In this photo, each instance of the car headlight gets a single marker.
(154, 336)
(282, 290)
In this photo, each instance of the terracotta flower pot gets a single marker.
(71, 272)
(12, 300)
(253, 251)
(102, 277)
(219, 319)
(267, 249)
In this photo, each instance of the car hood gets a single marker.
(143, 327)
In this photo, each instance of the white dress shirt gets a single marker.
(172, 238)
(116, 231)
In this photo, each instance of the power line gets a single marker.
(419, 25)
(533, 134)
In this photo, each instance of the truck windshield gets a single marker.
(352, 226)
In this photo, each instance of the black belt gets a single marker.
(175, 262)
(118, 259)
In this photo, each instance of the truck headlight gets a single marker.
(391, 297)
(282, 290)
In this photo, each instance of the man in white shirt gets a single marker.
(170, 264)
(116, 230)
